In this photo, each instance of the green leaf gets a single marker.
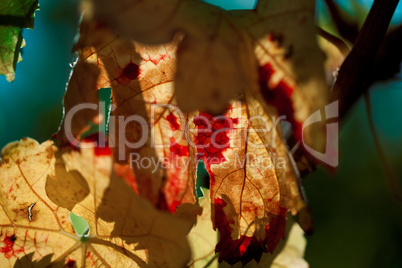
(14, 16)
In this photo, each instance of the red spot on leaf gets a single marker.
(278, 38)
(280, 97)
(169, 205)
(102, 148)
(245, 248)
(177, 149)
(155, 59)
(70, 263)
(176, 182)
(91, 258)
(125, 172)
(8, 249)
(212, 136)
(173, 121)
(129, 73)
(174, 205)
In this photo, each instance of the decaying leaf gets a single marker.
(40, 185)
(216, 62)
(291, 73)
(15, 15)
(143, 112)
(200, 57)
(211, 38)
(202, 239)
(30, 223)
(253, 183)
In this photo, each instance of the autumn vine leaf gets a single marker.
(30, 222)
(250, 200)
(14, 16)
(141, 78)
(40, 185)
(203, 238)
(173, 105)
(251, 193)
(202, 82)
(271, 51)
(290, 73)
(189, 82)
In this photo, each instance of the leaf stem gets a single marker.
(336, 41)
(355, 73)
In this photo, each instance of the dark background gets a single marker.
(357, 222)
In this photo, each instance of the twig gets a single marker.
(389, 56)
(355, 73)
(343, 48)
(346, 29)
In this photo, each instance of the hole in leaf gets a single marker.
(202, 179)
(80, 225)
(230, 4)
(104, 95)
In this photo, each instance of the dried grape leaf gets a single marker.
(202, 239)
(251, 198)
(291, 64)
(143, 111)
(211, 38)
(271, 51)
(29, 221)
(253, 182)
(125, 230)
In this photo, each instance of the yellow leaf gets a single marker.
(202, 237)
(271, 51)
(292, 254)
(253, 181)
(125, 230)
(211, 38)
(141, 78)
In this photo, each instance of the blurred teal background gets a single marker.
(357, 222)
(31, 105)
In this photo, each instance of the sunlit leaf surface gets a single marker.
(40, 185)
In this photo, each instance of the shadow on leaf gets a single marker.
(67, 188)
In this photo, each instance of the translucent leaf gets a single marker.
(253, 182)
(202, 237)
(141, 78)
(271, 51)
(40, 185)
